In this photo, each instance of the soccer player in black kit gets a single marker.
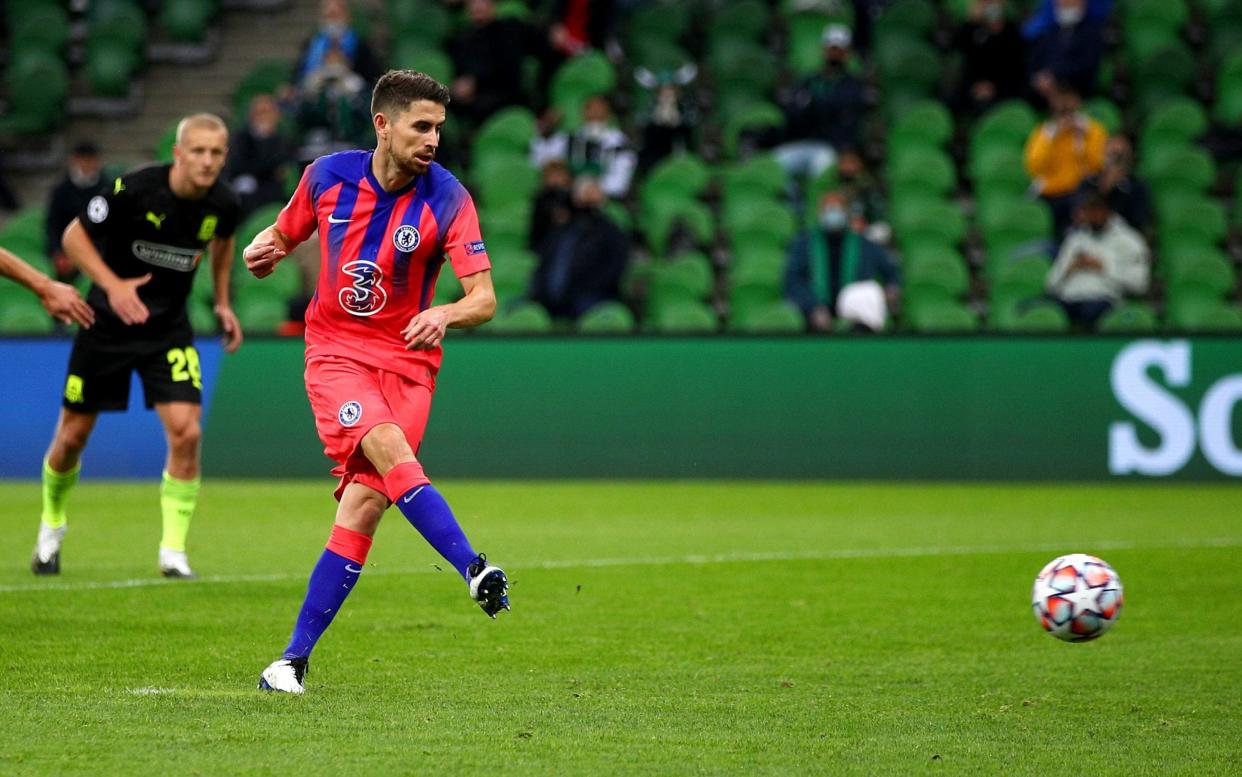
(141, 242)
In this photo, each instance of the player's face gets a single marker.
(414, 135)
(201, 155)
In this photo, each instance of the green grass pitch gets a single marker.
(657, 629)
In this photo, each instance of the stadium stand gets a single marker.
(710, 224)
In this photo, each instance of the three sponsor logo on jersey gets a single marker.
(366, 295)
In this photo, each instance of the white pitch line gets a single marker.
(659, 561)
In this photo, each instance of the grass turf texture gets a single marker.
(864, 629)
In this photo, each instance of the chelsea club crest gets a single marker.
(406, 238)
(350, 413)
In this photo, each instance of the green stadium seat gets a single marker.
(749, 118)
(24, 315)
(203, 319)
(43, 27)
(1187, 219)
(906, 19)
(684, 176)
(420, 20)
(266, 77)
(1129, 318)
(908, 66)
(758, 263)
(504, 179)
(509, 130)
(686, 217)
(779, 317)
(415, 54)
(187, 20)
(1208, 273)
(528, 318)
(927, 122)
(118, 20)
(1178, 119)
(1018, 222)
(938, 316)
(110, 67)
(681, 317)
(760, 174)
(934, 223)
(37, 97)
(657, 55)
(739, 20)
(26, 226)
(686, 277)
(586, 75)
(1191, 312)
(508, 222)
(1007, 125)
(1035, 318)
(947, 274)
(618, 214)
(606, 318)
(999, 174)
(925, 170)
(1166, 73)
(771, 222)
(745, 72)
(284, 282)
(663, 20)
(1184, 170)
(1106, 112)
(448, 287)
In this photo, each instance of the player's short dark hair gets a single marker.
(396, 89)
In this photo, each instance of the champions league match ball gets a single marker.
(1077, 597)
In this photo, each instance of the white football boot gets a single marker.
(175, 563)
(46, 559)
(285, 676)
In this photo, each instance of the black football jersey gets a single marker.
(139, 226)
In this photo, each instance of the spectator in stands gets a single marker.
(83, 180)
(1062, 152)
(336, 34)
(257, 154)
(553, 204)
(1127, 194)
(993, 58)
(1102, 260)
(671, 116)
(579, 25)
(1067, 52)
(581, 261)
(832, 264)
(598, 147)
(488, 57)
(868, 206)
(334, 111)
(824, 112)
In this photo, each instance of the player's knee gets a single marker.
(185, 436)
(73, 436)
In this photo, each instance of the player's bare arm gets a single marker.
(427, 329)
(221, 264)
(60, 300)
(266, 250)
(122, 292)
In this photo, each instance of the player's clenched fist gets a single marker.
(426, 330)
(262, 255)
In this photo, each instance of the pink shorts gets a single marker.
(349, 399)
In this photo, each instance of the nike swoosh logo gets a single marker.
(335, 220)
(357, 571)
(406, 501)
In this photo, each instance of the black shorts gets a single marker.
(100, 367)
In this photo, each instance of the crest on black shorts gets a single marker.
(350, 413)
(406, 238)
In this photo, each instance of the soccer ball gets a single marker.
(1077, 597)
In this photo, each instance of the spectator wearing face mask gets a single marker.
(335, 34)
(1127, 194)
(1102, 260)
(824, 112)
(1062, 152)
(834, 272)
(672, 114)
(582, 260)
(993, 59)
(598, 147)
(1067, 51)
(83, 180)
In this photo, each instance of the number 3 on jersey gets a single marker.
(185, 366)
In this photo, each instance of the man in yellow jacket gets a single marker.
(1063, 151)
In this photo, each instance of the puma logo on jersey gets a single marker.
(158, 221)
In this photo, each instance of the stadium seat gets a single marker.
(1166, 73)
(509, 130)
(681, 317)
(759, 116)
(1007, 125)
(771, 221)
(1211, 274)
(1180, 170)
(927, 122)
(420, 20)
(37, 97)
(685, 277)
(1106, 112)
(1195, 313)
(1129, 318)
(683, 175)
(908, 66)
(999, 174)
(1016, 223)
(265, 77)
(662, 20)
(1178, 119)
(657, 55)
(586, 75)
(448, 288)
(414, 54)
(44, 27)
(203, 319)
(26, 226)
(504, 179)
(187, 20)
(1190, 219)
(923, 169)
(606, 318)
(744, 72)
(779, 317)
(936, 223)
(284, 282)
(528, 318)
(110, 66)
(939, 317)
(23, 315)
(938, 271)
(1036, 318)
(686, 218)
(760, 173)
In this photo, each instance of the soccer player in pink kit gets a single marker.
(387, 220)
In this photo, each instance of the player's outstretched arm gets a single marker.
(59, 299)
(122, 292)
(265, 251)
(427, 329)
(221, 265)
